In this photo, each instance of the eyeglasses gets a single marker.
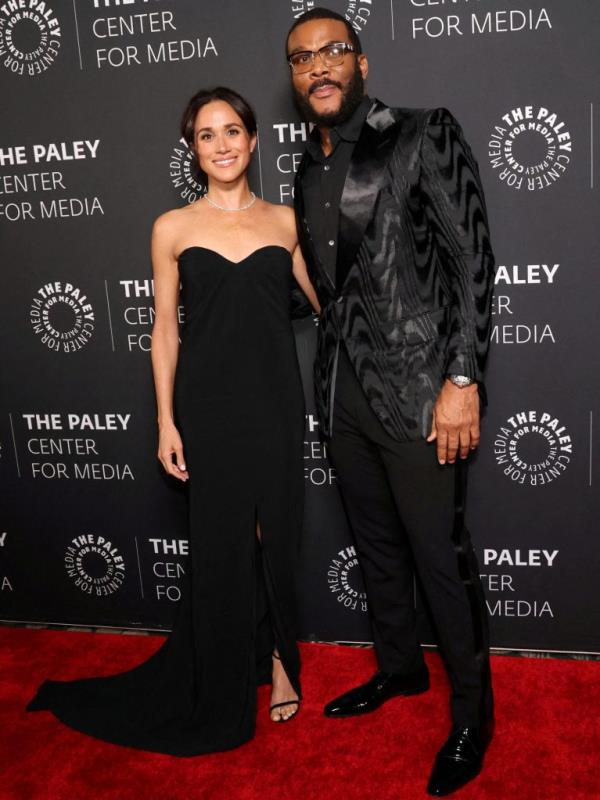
(331, 55)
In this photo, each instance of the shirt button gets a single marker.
(331, 242)
(327, 204)
(326, 167)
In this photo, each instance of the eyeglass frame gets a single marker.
(347, 48)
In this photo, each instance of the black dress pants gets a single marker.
(406, 513)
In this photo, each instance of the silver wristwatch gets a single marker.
(460, 380)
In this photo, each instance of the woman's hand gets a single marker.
(169, 443)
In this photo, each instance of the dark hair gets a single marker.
(241, 107)
(326, 13)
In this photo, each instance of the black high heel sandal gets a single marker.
(285, 703)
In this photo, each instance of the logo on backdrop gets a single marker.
(35, 174)
(443, 24)
(357, 12)
(62, 317)
(5, 584)
(168, 567)
(530, 147)
(510, 326)
(134, 314)
(502, 588)
(317, 468)
(95, 565)
(184, 175)
(76, 445)
(30, 36)
(533, 448)
(292, 136)
(345, 581)
(125, 39)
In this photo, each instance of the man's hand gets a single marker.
(455, 423)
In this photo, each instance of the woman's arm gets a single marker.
(301, 275)
(298, 262)
(165, 344)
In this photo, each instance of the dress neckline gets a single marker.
(229, 261)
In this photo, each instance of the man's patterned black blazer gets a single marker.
(414, 281)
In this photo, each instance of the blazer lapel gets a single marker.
(364, 180)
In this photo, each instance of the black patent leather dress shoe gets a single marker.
(460, 760)
(373, 694)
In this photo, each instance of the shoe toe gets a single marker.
(449, 775)
(333, 709)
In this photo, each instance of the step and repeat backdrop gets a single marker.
(91, 531)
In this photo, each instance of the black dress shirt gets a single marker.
(323, 183)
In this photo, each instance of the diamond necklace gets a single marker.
(240, 208)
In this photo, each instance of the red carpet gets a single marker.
(547, 742)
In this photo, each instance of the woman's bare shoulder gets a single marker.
(167, 223)
(284, 215)
(171, 223)
(280, 220)
(278, 208)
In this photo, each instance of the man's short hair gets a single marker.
(326, 13)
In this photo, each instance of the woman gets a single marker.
(231, 400)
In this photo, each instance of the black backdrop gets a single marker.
(92, 91)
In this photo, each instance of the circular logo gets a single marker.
(62, 317)
(30, 36)
(533, 448)
(94, 565)
(357, 12)
(530, 148)
(184, 175)
(345, 581)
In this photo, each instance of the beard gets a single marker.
(352, 97)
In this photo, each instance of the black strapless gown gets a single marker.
(240, 410)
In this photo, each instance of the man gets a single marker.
(393, 226)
